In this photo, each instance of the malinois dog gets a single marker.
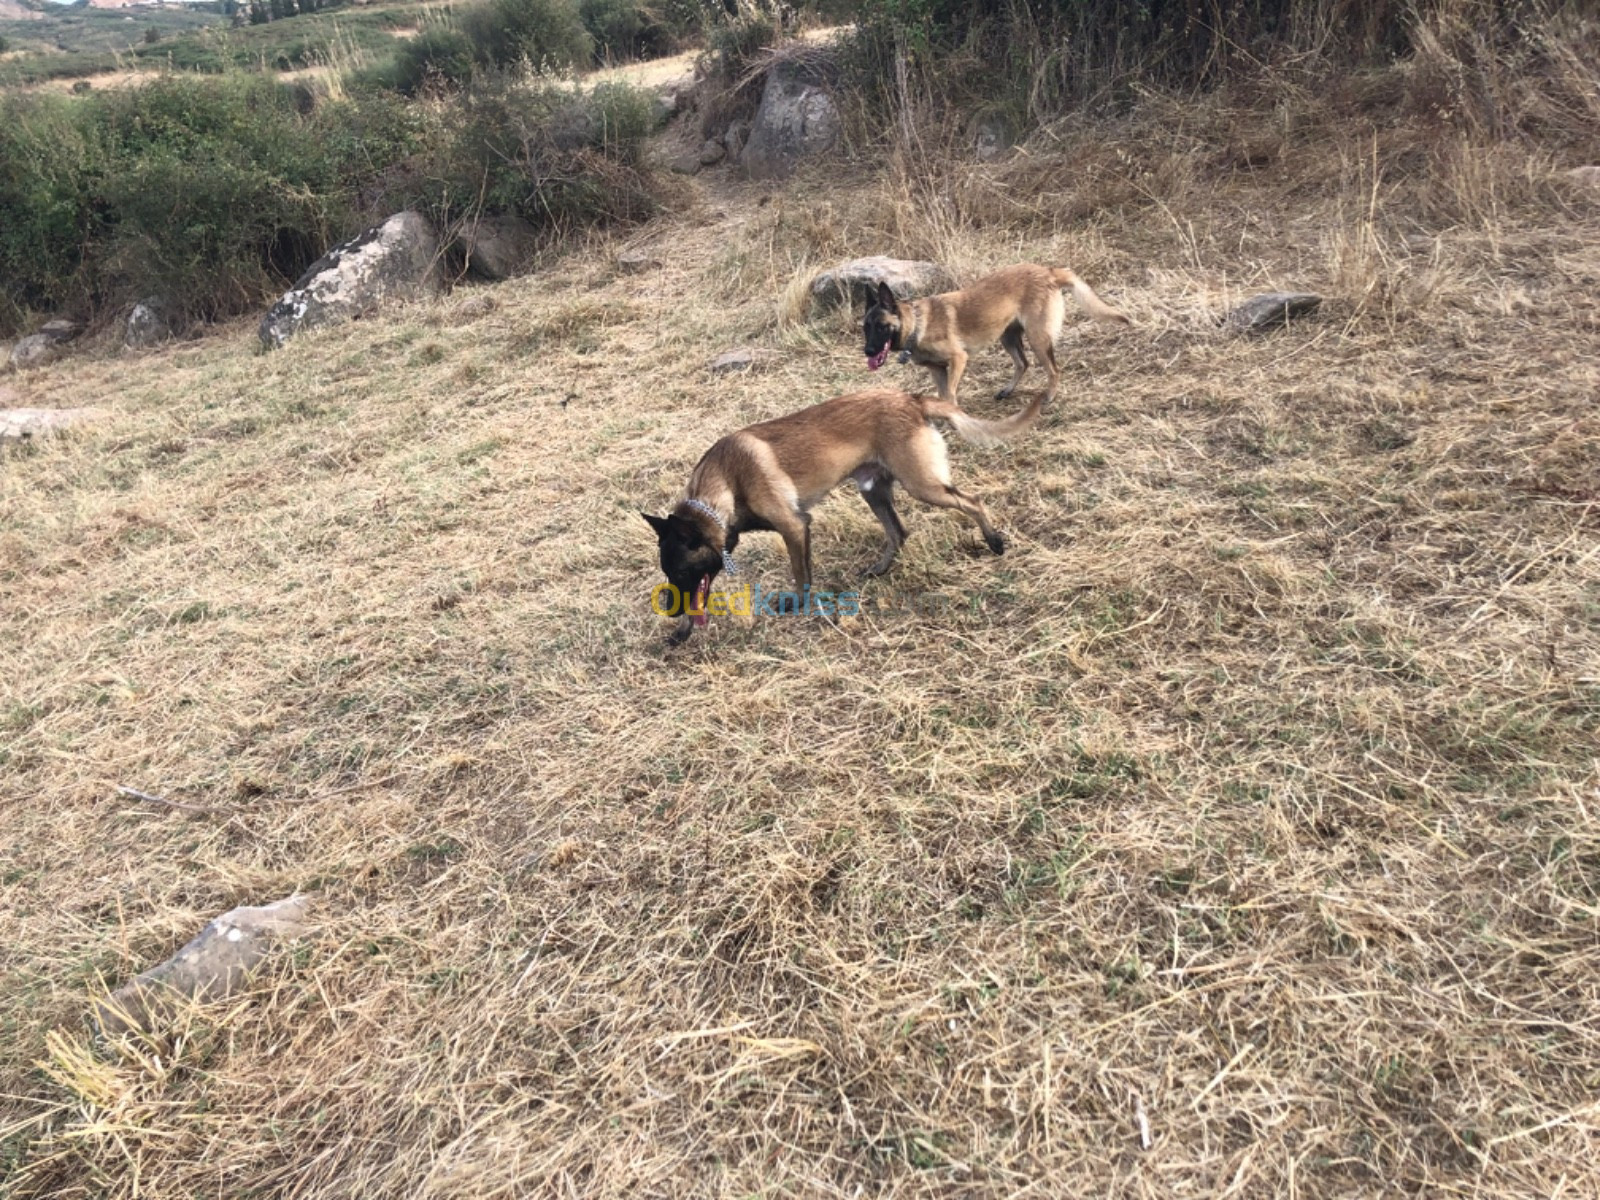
(769, 476)
(1012, 304)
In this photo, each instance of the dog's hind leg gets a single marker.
(1042, 337)
(1011, 339)
(923, 469)
(877, 489)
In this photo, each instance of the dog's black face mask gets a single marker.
(881, 329)
(690, 563)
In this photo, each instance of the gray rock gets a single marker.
(1271, 309)
(397, 260)
(45, 346)
(637, 262)
(993, 137)
(856, 283)
(147, 324)
(687, 163)
(1588, 175)
(214, 965)
(712, 153)
(796, 120)
(22, 424)
(734, 138)
(498, 247)
(35, 350)
(741, 360)
(672, 99)
(61, 329)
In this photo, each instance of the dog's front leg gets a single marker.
(796, 534)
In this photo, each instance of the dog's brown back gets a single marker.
(1012, 305)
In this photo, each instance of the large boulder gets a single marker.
(147, 324)
(498, 247)
(856, 283)
(797, 119)
(39, 348)
(397, 260)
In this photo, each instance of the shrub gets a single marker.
(211, 191)
(547, 33)
(440, 58)
(558, 157)
(220, 192)
(624, 29)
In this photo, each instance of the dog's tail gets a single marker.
(978, 431)
(1092, 304)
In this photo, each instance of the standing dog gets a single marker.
(769, 476)
(1013, 303)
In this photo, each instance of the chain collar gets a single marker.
(700, 506)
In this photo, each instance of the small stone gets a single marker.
(743, 359)
(687, 163)
(1271, 309)
(474, 307)
(712, 153)
(25, 423)
(637, 262)
(214, 965)
(61, 329)
(1588, 175)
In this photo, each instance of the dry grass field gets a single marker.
(1253, 794)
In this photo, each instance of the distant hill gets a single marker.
(12, 10)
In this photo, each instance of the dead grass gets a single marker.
(1254, 789)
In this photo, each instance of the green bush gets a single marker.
(211, 191)
(631, 29)
(546, 33)
(561, 158)
(219, 192)
(440, 58)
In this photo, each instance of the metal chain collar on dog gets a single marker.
(700, 506)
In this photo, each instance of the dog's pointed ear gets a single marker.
(659, 524)
(886, 296)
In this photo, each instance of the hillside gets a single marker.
(1252, 793)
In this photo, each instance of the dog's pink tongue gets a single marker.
(700, 594)
(874, 361)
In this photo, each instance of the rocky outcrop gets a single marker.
(498, 247)
(856, 283)
(397, 260)
(797, 120)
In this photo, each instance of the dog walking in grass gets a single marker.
(1013, 304)
(769, 476)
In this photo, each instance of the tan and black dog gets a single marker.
(769, 476)
(1014, 303)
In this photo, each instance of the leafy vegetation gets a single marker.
(217, 191)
